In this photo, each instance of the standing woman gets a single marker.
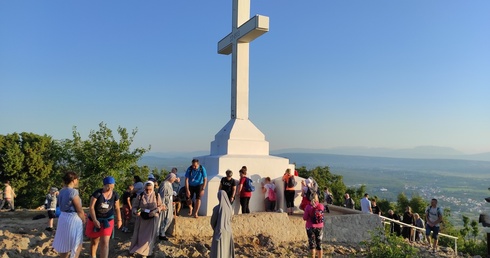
(146, 208)
(69, 236)
(407, 219)
(289, 191)
(244, 195)
(228, 185)
(313, 216)
(103, 204)
(222, 244)
(166, 195)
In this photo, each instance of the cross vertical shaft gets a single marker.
(244, 30)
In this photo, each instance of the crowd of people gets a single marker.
(150, 208)
(433, 217)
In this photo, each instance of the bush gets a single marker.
(474, 247)
(389, 246)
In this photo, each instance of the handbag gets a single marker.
(147, 215)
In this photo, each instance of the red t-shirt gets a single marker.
(244, 193)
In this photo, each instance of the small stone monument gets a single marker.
(240, 143)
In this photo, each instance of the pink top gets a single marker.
(308, 215)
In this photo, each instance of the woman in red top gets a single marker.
(289, 191)
(244, 195)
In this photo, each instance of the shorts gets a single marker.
(195, 190)
(51, 214)
(126, 212)
(89, 229)
(435, 231)
(315, 236)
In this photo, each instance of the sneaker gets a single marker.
(164, 238)
(49, 229)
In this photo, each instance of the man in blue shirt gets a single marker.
(195, 183)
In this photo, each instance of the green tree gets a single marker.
(418, 205)
(303, 172)
(475, 230)
(385, 206)
(324, 178)
(11, 158)
(103, 155)
(466, 228)
(26, 160)
(402, 203)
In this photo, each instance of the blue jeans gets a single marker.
(434, 229)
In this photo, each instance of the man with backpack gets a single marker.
(195, 183)
(433, 216)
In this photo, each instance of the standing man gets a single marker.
(366, 204)
(8, 196)
(195, 183)
(348, 201)
(433, 216)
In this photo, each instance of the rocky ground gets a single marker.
(20, 236)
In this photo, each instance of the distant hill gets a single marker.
(311, 160)
(421, 152)
(442, 166)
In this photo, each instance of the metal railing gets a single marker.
(385, 220)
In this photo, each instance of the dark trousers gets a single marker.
(289, 196)
(270, 205)
(244, 203)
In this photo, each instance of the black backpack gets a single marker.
(291, 182)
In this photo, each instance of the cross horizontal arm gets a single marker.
(246, 33)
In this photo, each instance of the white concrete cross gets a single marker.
(244, 31)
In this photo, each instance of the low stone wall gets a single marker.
(344, 226)
(278, 226)
(350, 228)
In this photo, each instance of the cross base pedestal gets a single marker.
(258, 167)
(241, 137)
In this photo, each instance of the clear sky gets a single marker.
(394, 74)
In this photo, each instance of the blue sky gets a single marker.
(394, 74)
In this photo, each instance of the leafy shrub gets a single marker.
(388, 246)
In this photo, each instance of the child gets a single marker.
(50, 205)
(305, 192)
(126, 208)
(313, 216)
(269, 189)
